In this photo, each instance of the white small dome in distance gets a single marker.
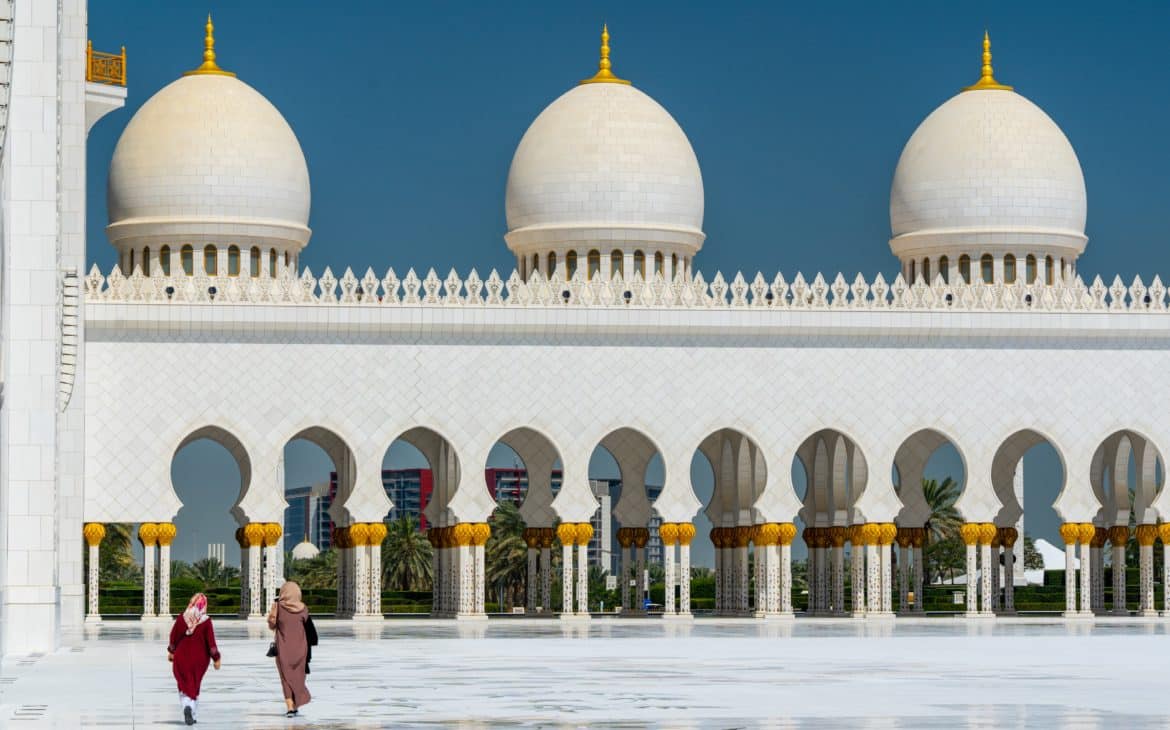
(988, 172)
(305, 551)
(208, 159)
(604, 166)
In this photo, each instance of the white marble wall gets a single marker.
(29, 310)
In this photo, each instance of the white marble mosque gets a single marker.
(106, 375)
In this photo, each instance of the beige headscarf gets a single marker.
(290, 597)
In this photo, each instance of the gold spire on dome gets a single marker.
(987, 79)
(208, 66)
(604, 75)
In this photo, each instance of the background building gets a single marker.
(307, 515)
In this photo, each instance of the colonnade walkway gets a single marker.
(913, 673)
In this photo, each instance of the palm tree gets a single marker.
(506, 554)
(117, 561)
(211, 573)
(406, 556)
(944, 520)
(317, 572)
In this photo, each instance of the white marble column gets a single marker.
(985, 576)
(904, 578)
(763, 588)
(995, 576)
(148, 580)
(582, 577)
(837, 556)
(919, 575)
(786, 577)
(255, 589)
(1164, 534)
(741, 571)
(466, 580)
(1146, 536)
(684, 578)
(532, 587)
(873, 577)
(1086, 577)
(567, 579)
(375, 605)
(270, 587)
(479, 582)
(1118, 556)
(245, 595)
(92, 613)
(164, 580)
(822, 578)
(1070, 570)
(546, 577)
(972, 580)
(668, 582)
(773, 580)
(887, 577)
(361, 576)
(857, 563)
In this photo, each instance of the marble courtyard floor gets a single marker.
(631, 673)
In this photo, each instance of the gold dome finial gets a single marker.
(987, 78)
(604, 75)
(209, 66)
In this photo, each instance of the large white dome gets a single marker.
(208, 159)
(604, 162)
(987, 168)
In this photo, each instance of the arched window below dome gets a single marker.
(571, 264)
(913, 271)
(987, 268)
(659, 262)
(287, 260)
(673, 265)
(130, 269)
(535, 264)
(965, 268)
(1030, 270)
(233, 260)
(552, 264)
(1063, 271)
(926, 270)
(272, 262)
(146, 261)
(944, 268)
(592, 264)
(1009, 269)
(254, 261)
(640, 263)
(164, 260)
(1048, 270)
(616, 260)
(187, 260)
(210, 261)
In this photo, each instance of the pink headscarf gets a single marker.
(196, 612)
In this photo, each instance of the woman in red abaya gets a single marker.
(192, 647)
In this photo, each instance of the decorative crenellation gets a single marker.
(681, 292)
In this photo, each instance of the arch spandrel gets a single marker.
(539, 454)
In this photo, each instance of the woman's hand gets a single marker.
(216, 664)
(170, 656)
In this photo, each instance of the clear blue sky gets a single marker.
(408, 114)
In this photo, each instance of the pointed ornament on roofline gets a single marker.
(208, 67)
(604, 75)
(987, 80)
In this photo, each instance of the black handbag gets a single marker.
(271, 649)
